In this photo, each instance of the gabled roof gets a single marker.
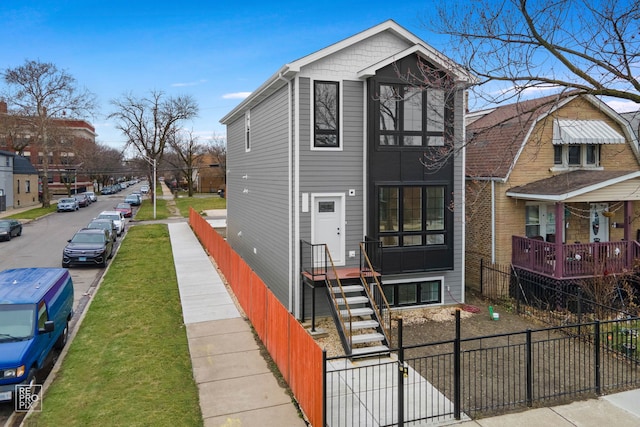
(496, 139)
(288, 71)
(22, 166)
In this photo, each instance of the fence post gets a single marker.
(596, 340)
(579, 311)
(519, 290)
(529, 361)
(401, 372)
(324, 387)
(456, 369)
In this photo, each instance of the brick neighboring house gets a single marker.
(329, 152)
(63, 164)
(25, 183)
(210, 175)
(552, 188)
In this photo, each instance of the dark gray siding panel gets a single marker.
(335, 171)
(258, 181)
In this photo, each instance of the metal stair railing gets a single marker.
(331, 277)
(379, 303)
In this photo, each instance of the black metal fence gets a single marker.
(482, 376)
(559, 302)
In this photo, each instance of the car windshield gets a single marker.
(102, 225)
(109, 216)
(88, 238)
(5, 223)
(123, 206)
(16, 321)
(67, 200)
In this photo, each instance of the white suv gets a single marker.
(117, 218)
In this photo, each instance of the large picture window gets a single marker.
(410, 116)
(326, 118)
(411, 215)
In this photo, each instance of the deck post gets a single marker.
(558, 270)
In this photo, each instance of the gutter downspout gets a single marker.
(493, 221)
(293, 203)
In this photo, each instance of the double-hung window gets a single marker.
(411, 215)
(326, 97)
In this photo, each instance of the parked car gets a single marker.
(116, 217)
(37, 305)
(125, 208)
(88, 246)
(83, 200)
(105, 224)
(68, 204)
(92, 196)
(10, 228)
(133, 199)
(144, 189)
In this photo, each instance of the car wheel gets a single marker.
(20, 232)
(10, 236)
(62, 339)
(32, 378)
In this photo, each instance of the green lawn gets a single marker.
(129, 364)
(34, 213)
(200, 203)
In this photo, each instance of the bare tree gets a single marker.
(148, 123)
(585, 45)
(217, 148)
(40, 94)
(188, 151)
(100, 162)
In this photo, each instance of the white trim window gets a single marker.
(326, 114)
(247, 131)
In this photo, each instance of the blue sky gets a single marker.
(214, 50)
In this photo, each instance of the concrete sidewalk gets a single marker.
(236, 386)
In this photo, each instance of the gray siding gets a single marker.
(455, 278)
(257, 192)
(335, 171)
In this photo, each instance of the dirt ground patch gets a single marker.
(435, 324)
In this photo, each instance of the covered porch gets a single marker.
(578, 225)
(574, 260)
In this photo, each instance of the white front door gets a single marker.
(598, 223)
(327, 224)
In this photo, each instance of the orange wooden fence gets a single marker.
(294, 351)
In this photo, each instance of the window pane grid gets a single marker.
(411, 215)
(326, 114)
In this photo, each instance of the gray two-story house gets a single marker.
(358, 142)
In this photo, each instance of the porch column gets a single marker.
(627, 221)
(628, 237)
(558, 271)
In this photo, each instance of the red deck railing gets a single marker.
(574, 260)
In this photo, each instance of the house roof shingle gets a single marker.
(22, 166)
(495, 139)
(569, 184)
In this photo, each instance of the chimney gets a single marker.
(3, 107)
